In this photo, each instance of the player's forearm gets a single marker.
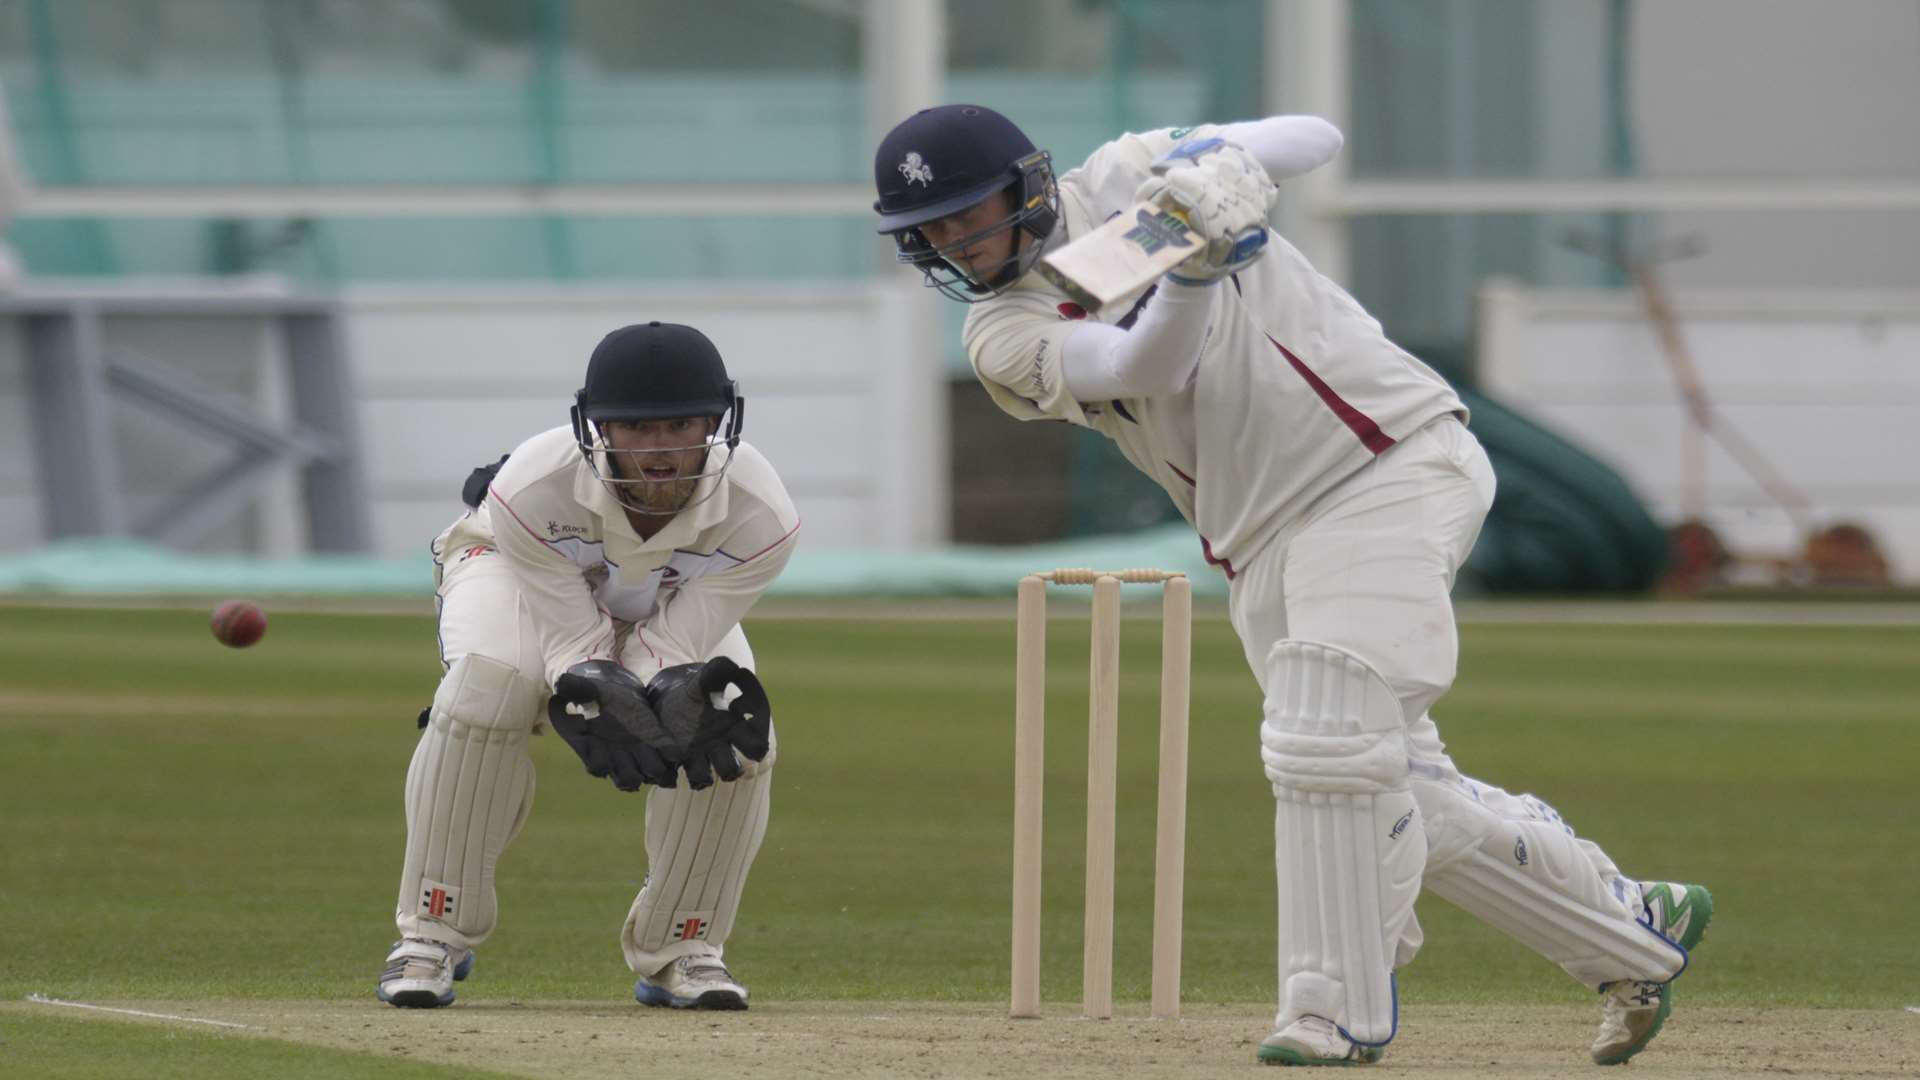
(1286, 146)
(1155, 358)
(568, 623)
(690, 623)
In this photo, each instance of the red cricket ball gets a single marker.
(239, 623)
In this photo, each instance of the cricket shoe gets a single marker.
(1312, 1040)
(420, 974)
(692, 982)
(1633, 1011)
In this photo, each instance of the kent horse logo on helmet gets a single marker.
(947, 160)
(916, 170)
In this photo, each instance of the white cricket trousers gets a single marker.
(1370, 570)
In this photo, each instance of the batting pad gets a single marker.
(1348, 841)
(469, 789)
(700, 845)
(1511, 862)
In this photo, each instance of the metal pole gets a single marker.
(1306, 72)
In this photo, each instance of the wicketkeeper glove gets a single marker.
(683, 697)
(601, 710)
(1225, 195)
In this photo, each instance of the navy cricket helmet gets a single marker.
(655, 371)
(944, 160)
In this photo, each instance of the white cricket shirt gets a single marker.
(1296, 387)
(581, 566)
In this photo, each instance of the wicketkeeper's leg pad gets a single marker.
(469, 790)
(700, 845)
(1511, 861)
(1347, 835)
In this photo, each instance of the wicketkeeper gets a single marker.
(597, 585)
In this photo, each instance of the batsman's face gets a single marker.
(977, 241)
(659, 461)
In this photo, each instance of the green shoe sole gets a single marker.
(1700, 901)
(1282, 1055)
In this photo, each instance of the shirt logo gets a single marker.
(555, 528)
(917, 171)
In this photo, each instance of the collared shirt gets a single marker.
(586, 575)
(1296, 387)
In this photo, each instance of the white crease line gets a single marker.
(42, 999)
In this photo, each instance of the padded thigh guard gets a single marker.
(700, 845)
(1510, 861)
(469, 789)
(1348, 840)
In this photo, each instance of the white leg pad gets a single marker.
(1349, 844)
(469, 789)
(1511, 862)
(700, 845)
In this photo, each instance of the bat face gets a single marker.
(1120, 257)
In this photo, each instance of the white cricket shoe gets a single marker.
(692, 982)
(1632, 1011)
(1312, 1040)
(1631, 1014)
(420, 974)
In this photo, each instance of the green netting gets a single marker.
(1562, 521)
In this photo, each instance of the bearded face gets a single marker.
(655, 465)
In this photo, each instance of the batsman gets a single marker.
(1333, 481)
(596, 585)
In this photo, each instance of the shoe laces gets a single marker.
(415, 965)
(1635, 994)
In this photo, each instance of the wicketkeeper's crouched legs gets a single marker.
(469, 789)
(700, 845)
(1511, 861)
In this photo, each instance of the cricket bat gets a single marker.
(1121, 257)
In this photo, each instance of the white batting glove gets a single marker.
(1225, 196)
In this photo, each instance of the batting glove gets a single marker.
(1225, 195)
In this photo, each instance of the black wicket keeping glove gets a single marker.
(683, 698)
(622, 738)
(474, 491)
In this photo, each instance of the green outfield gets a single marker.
(186, 822)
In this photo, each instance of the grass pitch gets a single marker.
(189, 823)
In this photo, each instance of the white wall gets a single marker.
(844, 393)
(1825, 384)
